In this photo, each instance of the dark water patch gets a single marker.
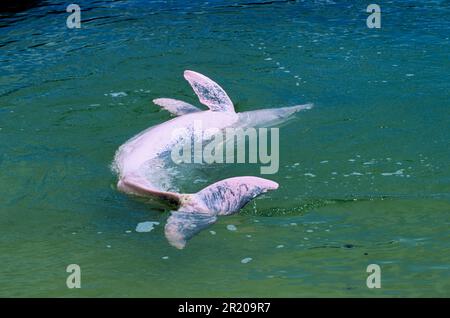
(11, 7)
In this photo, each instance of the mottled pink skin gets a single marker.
(209, 92)
(227, 196)
(252, 181)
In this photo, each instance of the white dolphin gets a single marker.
(139, 161)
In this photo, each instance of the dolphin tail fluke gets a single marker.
(182, 226)
(200, 210)
(227, 196)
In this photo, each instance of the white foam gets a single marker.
(118, 94)
(396, 173)
(231, 227)
(146, 226)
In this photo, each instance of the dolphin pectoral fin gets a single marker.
(227, 196)
(209, 92)
(176, 107)
(269, 117)
(182, 226)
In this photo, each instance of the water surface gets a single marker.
(364, 176)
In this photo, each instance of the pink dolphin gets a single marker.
(137, 159)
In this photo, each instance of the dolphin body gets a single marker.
(139, 162)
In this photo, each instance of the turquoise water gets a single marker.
(364, 176)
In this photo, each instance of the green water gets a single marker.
(364, 176)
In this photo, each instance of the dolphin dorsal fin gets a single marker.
(176, 107)
(209, 92)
